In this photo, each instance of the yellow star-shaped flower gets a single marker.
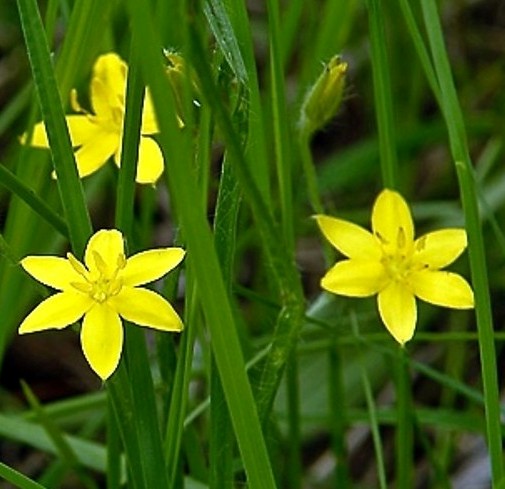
(98, 135)
(390, 263)
(103, 289)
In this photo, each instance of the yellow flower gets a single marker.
(102, 289)
(98, 136)
(390, 263)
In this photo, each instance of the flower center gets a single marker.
(101, 283)
(397, 257)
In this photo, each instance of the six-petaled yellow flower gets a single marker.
(98, 136)
(390, 263)
(102, 289)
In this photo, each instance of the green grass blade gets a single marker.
(18, 479)
(27, 195)
(87, 25)
(139, 377)
(283, 158)
(382, 95)
(119, 390)
(459, 149)
(89, 454)
(220, 25)
(69, 185)
(372, 410)
(200, 247)
(225, 231)
(54, 433)
(257, 152)
(281, 263)
(175, 423)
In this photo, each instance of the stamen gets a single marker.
(74, 103)
(121, 261)
(401, 239)
(77, 265)
(100, 263)
(115, 287)
(87, 288)
(421, 243)
(381, 238)
(100, 287)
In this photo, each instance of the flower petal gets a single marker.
(146, 308)
(442, 289)
(108, 85)
(109, 244)
(53, 271)
(150, 165)
(149, 123)
(355, 278)
(398, 311)
(150, 265)
(439, 248)
(95, 153)
(392, 221)
(350, 239)
(102, 339)
(82, 128)
(39, 136)
(56, 312)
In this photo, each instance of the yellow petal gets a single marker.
(392, 221)
(96, 152)
(146, 308)
(439, 248)
(150, 164)
(101, 102)
(442, 289)
(150, 265)
(149, 123)
(82, 128)
(108, 85)
(351, 240)
(53, 271)
(56, 312)
(398, 311)
(102, 339)
(38, 138)
(355, 278)
(109, 245)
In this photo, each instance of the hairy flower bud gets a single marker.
(324, 97)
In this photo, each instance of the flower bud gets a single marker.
(178, 75)
(324, 97)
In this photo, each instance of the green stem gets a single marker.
(294, 436)
(338, 416)
(404, 433)
(309, 170)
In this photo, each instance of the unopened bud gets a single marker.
(178, 75)
(324, 97)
